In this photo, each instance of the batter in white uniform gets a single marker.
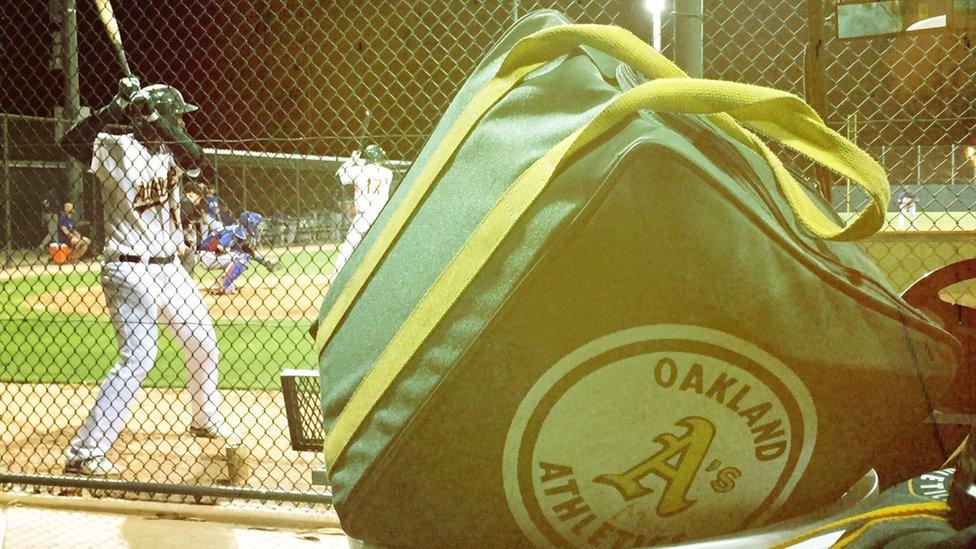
(371, 183)
(144, 284)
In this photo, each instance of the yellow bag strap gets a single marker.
(526, 56)
(529, 54)
(777, 114)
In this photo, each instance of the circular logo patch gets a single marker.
(657, 434)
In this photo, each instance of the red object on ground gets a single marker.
(59, 252)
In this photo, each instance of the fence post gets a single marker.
(295, 203)
(7, 240)
(688, 36)
(952, 164)
(918, 164)
(515, 10)
(72, 97)
(813, 80)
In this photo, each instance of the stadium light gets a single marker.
(656, 9)
(654, 6)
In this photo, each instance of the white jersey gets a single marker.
(371, 183)
(140, 197)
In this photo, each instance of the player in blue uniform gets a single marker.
(211, 211)
(229, 249)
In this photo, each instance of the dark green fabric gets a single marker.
(910, 532)
(460, 199)
(663, 221)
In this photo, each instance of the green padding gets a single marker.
(911, 514)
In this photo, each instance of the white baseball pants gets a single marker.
(139, 298)
(360, 224)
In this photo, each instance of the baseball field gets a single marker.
(907, 249)
(57, 343)
(57, 330)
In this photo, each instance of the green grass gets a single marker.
(47, 347)
(292, 263)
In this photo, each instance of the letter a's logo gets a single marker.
(676, 463)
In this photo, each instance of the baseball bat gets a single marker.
(107, 16)
(364, 132)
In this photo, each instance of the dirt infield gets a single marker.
(269, 297)
(28, 265)
(38, 420)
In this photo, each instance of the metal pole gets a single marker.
(814, 89)
(823, 179)
(688, 36)
(515, 11)
(7, 240)
(656, 29)
(197, 490)
(72, 96)
(884, 149)
(952, 164)
(918, 164)
(245, 177)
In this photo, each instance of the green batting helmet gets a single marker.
(165, 100)
(375, 154)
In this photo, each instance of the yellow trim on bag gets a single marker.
(778, 115)
(957, 452)
(776, 112)
(907, 511)
(527, 55)
(488, 96)
(848, 539)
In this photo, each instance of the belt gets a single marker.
(152, 260)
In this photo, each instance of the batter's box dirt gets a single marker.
(37, 422)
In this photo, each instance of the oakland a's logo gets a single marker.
(155, 191)
(657, 434)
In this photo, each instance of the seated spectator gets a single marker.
(68, 233)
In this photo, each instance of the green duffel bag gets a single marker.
(599, 311)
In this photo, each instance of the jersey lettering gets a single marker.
(155, 191)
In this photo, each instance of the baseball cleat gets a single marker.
(215, 432)
(92, 467)
(218, 290)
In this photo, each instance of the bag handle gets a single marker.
(546, 45)
(777, 114)
(527, 55)
(828, 148)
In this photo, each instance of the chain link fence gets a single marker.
(291, 94)
(907, 99)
